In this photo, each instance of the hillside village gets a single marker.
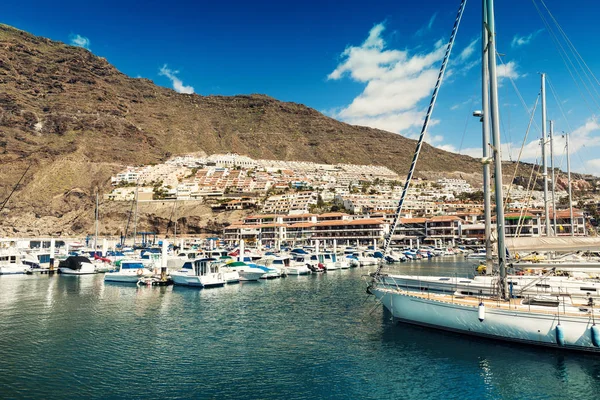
(304, 201)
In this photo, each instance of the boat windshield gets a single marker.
(132, 265)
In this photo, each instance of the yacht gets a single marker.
(366, 258)
(300, 265)
(561, 322)
(202, 272)
(130, 271)
(479, 254)
(76, 265)
(244, 271)
(11, 262)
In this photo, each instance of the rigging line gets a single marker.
(563, 55)
(555, 95)
(469, 118)
(521, 150)
(577, 70)
(506, 131)
(558, 102)
(529, 194)
(573, 49)
(514, 85)
(436, 89)
(14, 189)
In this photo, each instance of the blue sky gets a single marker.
(369, 63)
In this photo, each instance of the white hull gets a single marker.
(127, 275)
(86, 269)
(205, 281)
(331, 266)
(13, 270)
(368, 261)
(250, 275)
(231, 277)
(343, 264)
(475, 257)
(299, 270)
(535, 328)
(561, 266)
(485, 285)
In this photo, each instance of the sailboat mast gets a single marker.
(553, 177)
(495, 122)
(96, 217)
(544, 166)
(135, 215)
(569, 182)
(485, 123)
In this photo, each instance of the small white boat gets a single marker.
(245, 271)
(130, 271)
(268, 265)
(203, 273)
(299, 265)
(366, 259)
(13, 262)
(477, 255)
(76, 265)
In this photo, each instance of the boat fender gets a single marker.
(595, 335)
(140, 272)
(560, 335)
(481, 312)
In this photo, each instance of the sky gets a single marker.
(367, 63)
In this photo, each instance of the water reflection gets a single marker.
(298, 337)
(504, 370)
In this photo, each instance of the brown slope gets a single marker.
(78, 120)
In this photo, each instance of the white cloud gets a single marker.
(427, 27)
(593, 166)
(468, 51)
(508, 70)
(80, 41)
(177, 83)
(523, 40)
(396, 81)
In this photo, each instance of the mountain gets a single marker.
(75, 120)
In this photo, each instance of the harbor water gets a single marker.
(317, 336)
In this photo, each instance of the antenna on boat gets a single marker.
(388, 238)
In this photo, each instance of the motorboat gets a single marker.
(76, 265)
(11, 262)
(300, 265)
(202, 272)
(366, 258)
(129, 271)
(479, 254)
(245, 271)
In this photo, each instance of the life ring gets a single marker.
(140, 272)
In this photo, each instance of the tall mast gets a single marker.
(553, 178)
(544, 167)
(485, 123)
(96, 217)
(569, 182)
(135, 215)
(495, 120)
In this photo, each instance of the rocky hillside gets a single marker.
(76, 120)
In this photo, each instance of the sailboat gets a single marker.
(560, 322)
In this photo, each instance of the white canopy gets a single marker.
(565, 243)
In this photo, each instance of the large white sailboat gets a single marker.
(562, 321)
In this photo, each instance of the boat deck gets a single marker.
(576, 309)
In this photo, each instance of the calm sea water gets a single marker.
(293, 338)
